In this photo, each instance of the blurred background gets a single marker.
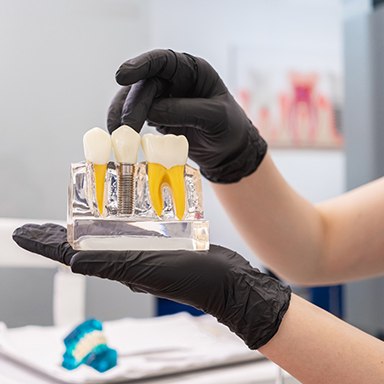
(306, 72)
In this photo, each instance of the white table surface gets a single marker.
(261, 372)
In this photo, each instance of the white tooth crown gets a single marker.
(167, 150)
(126, 143)
(97, 146)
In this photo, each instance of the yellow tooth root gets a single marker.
(158, 175)
(100, 171)
(176, 181)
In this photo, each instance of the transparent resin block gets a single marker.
(141, 228)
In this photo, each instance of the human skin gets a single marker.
(338, 240)
(317, 347)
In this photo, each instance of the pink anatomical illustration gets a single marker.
(299, 113)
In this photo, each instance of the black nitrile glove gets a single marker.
(219, 281)
(182, 94)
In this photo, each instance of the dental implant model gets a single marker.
(128, 205)
(126, 143)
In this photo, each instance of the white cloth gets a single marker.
(146, 348)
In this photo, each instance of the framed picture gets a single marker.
(292, 96)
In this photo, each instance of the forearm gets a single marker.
(354, 241)
(283, 229)
(335, 241)
(316, 347)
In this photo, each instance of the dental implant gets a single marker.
(125, 143)
(125, 188)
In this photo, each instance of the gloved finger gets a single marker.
(152, 268)
(136, 288)
(166, 130)
(159, 62)
(115, 109)
(114, 265)
(155, 272)
(199, 113)
(49, 240)
(184, 276)
(139, 101)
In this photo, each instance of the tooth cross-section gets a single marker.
(166, 157)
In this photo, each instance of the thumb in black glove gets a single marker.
(219, 281)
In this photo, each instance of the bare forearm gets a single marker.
(316, 347)
(285, 230)
(335, 241)
(354, 225)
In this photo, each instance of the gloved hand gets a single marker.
(182, 94)
(219, 281)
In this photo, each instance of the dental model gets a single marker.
(97, 151)
(166, 157)
(125, 143)
(86, 344)
(155, 204)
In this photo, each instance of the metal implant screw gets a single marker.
(126, 187)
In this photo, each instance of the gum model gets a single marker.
(86, 344)
(151, 205)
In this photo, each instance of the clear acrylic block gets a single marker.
(141, 228)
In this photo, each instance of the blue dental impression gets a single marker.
(86, 344)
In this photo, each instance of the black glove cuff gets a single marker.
(243, 165)
(259, 320)
(266, 333)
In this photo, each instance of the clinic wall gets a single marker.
(211, 29)
(58, 60)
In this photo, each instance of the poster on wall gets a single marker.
(292, 96)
